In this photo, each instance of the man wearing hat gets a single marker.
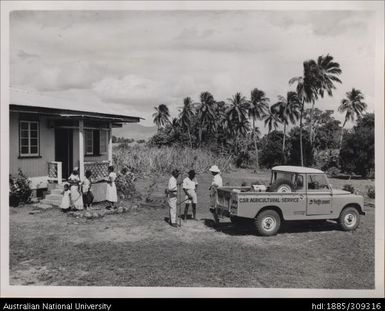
(172, 191)
(215, 184)
(190, 185)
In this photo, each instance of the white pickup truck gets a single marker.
(295, 193)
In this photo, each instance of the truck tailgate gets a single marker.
(227, 201)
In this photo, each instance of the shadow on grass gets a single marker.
(248, 228)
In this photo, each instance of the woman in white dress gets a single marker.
(76, 196)
(111, 195)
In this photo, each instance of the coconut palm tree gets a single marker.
(259, 105)
(236, 114)
(353, 107)
(206, 114)
(288, 112)
(271, 118)
(161, 116)
(307, 91)
(186, 116)
(325, 75)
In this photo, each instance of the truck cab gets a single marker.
(294, 193)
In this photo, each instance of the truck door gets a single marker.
(319, 195)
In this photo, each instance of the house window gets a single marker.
(96, 142)
(89, 142)
(103, 141)
(29, 138)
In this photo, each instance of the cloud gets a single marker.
(325, 22)
(24, 55)
(144, 58)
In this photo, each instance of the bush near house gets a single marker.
(125, 184)
(19, 189)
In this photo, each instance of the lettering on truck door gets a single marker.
(319, 195)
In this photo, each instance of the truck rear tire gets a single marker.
(282, 185)
(268, 222)
(349, 219)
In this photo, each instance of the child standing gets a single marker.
(88, 196)
(112, 195)
(65, 201)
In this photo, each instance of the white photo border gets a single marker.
(128, 292)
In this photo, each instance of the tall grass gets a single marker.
(146, 160)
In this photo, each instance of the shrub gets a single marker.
(357, 152)
(125, 185)
(326, 159)
(271, 149)
(333, 171)
(371, 192)
(19, 189)
(349, 188)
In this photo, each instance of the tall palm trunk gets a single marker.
(311, 123)
(255, 144)
(283, 143)
(300, 133)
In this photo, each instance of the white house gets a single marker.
(50, 135)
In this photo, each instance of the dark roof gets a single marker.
(34, 102)
(74, 114)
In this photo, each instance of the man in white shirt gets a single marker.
(190, 185)
(215, 184)
(172, 191)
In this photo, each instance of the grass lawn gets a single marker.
(139, 248)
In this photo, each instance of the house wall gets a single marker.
(35, 168)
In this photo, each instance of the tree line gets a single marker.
(230, 126)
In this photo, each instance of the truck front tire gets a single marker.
(349, 219)
(268, 223)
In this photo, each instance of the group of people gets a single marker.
(189, 186)
(77, 194)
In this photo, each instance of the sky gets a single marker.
(133, 61)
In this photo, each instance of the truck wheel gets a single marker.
(282, 185)
(268, 222)
(349, 219)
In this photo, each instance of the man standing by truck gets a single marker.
(190, 185)
(172, 191)
(215, 184)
